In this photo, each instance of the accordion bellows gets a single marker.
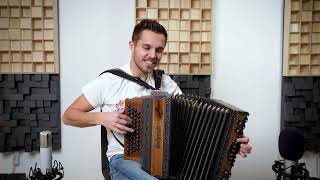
(183, 137)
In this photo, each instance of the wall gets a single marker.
(94, 36)
(248, 74)
(91, 41)
(248, 65)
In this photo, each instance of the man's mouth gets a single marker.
(150, 62)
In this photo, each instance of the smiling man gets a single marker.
(147, 48)
(109, 91)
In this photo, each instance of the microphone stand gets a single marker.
(56, 172)
(290, 170)
(47, 171)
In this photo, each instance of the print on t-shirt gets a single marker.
(120, 105)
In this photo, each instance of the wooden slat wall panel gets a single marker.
(189, 26)
(301, 51)
(29, 37)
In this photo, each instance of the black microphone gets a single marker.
(291, 148)
(291, 144)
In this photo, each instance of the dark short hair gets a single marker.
(148, 24)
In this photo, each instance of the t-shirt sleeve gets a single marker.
(94, 91)
(177, 90)
(168, 85)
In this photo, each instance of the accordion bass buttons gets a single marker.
(133, 137)
(241, 126)
(226, 175)
(232, 152)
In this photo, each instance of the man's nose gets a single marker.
(153, 53)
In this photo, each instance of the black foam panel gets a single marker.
(28, 104)
(193, 84)
(300, 107)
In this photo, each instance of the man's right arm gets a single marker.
(78, 114)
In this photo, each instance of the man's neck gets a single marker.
(136, 72)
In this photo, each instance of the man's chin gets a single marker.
(149, 68)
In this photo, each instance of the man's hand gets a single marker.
(245, 146)
(116, 121)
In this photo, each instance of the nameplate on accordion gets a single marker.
(183, 137)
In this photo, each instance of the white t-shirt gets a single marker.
(109, 91)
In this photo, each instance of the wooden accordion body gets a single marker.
(183, 137)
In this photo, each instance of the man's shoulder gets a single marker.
(169, 85)
(125, 68)
(167, 81)
(167, 78)
(108, 72)
(108, 76)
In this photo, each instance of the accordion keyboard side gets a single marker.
(231, 147)
(132, 141)
(237, 120)
(151, 124)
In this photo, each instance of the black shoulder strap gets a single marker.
(157, 77)
(157, 74)
(117, 139)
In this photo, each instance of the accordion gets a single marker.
(183, 137)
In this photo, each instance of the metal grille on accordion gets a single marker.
(183, 137)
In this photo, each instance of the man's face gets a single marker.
(147, 51)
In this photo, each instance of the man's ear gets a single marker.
(131, 45)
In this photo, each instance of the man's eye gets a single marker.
(146, 47)
(159, 50)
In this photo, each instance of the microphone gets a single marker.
(291, 148)
(45, 151)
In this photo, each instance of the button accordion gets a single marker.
(183, 137)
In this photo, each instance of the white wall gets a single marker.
(94, 36)
(247, 73)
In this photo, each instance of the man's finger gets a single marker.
(243, 140)
(121, 111)
(124, 128)
(246, 146)
(245, 150)
(116, 130)
(242, 154)
(125, 117)
(124, 122)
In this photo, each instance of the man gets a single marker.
(109, 92)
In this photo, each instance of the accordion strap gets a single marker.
(117, 139)
(157, 73)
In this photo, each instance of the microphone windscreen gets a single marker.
(291, 144)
